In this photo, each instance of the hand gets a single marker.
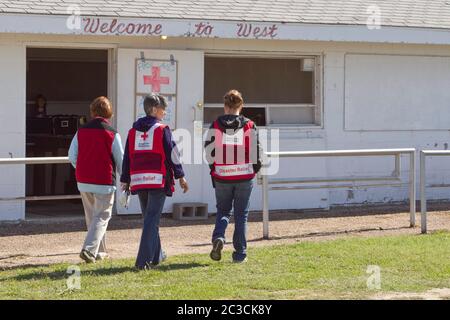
(184, 185)
(124, 186)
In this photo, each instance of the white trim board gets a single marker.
(107, 26)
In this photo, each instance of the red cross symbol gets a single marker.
(144, 136)
(155, 80)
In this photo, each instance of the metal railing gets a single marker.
(423, 200)
(342, 153)
(38, 160)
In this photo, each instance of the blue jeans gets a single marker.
(237, 195)
(152, 204)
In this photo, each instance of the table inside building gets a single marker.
(49, 179)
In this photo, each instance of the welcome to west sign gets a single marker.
(196, 29)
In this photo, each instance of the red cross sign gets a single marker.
(144, 136)
(155, 80)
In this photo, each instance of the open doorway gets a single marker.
(61, 83)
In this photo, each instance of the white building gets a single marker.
(328, 74)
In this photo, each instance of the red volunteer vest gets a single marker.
(95, 164)
(147, 158)
(232, 159)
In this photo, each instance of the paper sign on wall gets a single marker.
(157, 76)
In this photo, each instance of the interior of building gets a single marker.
(61, 83)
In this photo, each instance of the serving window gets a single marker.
(276, 91)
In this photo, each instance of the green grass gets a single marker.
(307, 270)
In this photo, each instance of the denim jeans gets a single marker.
(152, 204)
(235, 195)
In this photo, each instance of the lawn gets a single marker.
(307, 270)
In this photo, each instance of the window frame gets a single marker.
(317, 87)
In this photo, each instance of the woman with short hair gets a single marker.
(150, 165)
(96, 153)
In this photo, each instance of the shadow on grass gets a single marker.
(315, 235)
(102, 270)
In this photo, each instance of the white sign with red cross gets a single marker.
(156, 76)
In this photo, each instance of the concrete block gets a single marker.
(190, 211)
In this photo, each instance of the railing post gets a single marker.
(265, 196)
(423, 199)
(412, 189)
(397, 165)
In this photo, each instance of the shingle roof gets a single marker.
(402, 13)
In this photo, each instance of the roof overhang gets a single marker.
(110, 26)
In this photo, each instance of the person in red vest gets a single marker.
(150, 165)
(233, 153)
(96, 153)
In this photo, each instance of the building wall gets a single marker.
(12, 128)
(337, 131)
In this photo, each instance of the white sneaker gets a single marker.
(87, 256)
